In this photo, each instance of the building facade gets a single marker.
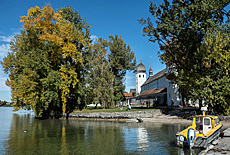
(173, 94)
(155, 81)
(157, 88)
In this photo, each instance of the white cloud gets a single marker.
(3, 78)
(3, 86)
(93, 38)
(16, 30)
(6, 38)
(4, 49)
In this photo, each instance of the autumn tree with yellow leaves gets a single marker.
(48, 60)
(53, 62)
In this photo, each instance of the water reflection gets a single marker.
(90, 137)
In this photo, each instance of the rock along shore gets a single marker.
(117, 115)
(160, 116)
(175, 115)
(220, 146)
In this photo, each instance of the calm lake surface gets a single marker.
(84, 137)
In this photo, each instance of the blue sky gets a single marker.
(107, 17)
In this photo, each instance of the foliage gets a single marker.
(46, 61)
(79, 93)
(54, 67)
(100, 78)
(216, 87)
(122, 59)
(181, 31)
(110, 62)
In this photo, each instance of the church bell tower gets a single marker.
(140, 77)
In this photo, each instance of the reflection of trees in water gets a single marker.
(62, 137)
(88, 137)
(98, 137)
(38, 138)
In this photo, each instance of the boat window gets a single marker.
(199, 122)
(206, 121)
(216, 121)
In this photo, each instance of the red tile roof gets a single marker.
(127, 94)
(152, 91)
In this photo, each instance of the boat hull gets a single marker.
(199, 142)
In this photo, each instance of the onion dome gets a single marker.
(141, 68)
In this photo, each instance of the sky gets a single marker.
(107, 17)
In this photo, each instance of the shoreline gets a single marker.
(220, 146)
(145, 120)
(169, 116)
(164, 120)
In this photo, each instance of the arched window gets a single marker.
(139, 76)
(143, 76)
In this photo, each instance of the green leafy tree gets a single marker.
(47, 61)
(216, 84)
(122, 59)
(181, 28)
(100, 78)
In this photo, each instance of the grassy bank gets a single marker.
(112, 109)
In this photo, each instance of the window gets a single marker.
(218, 121)
(143, 76)
(199, 122)
(139, 76)
(206, 121)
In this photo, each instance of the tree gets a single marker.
(47, 60)
(122, 59)
(100, 78)
(181, 30)
(216, 87)
(83, 42)
(110, 62)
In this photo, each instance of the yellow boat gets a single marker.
(204, 130)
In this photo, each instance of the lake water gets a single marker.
(53, 136)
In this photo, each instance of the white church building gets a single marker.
(155, 88)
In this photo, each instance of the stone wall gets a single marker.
(141, 114)
(117, 115)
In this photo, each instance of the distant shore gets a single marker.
(5, 106)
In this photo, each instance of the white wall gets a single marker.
(159, 83)
(140, 79)
(172, 92)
